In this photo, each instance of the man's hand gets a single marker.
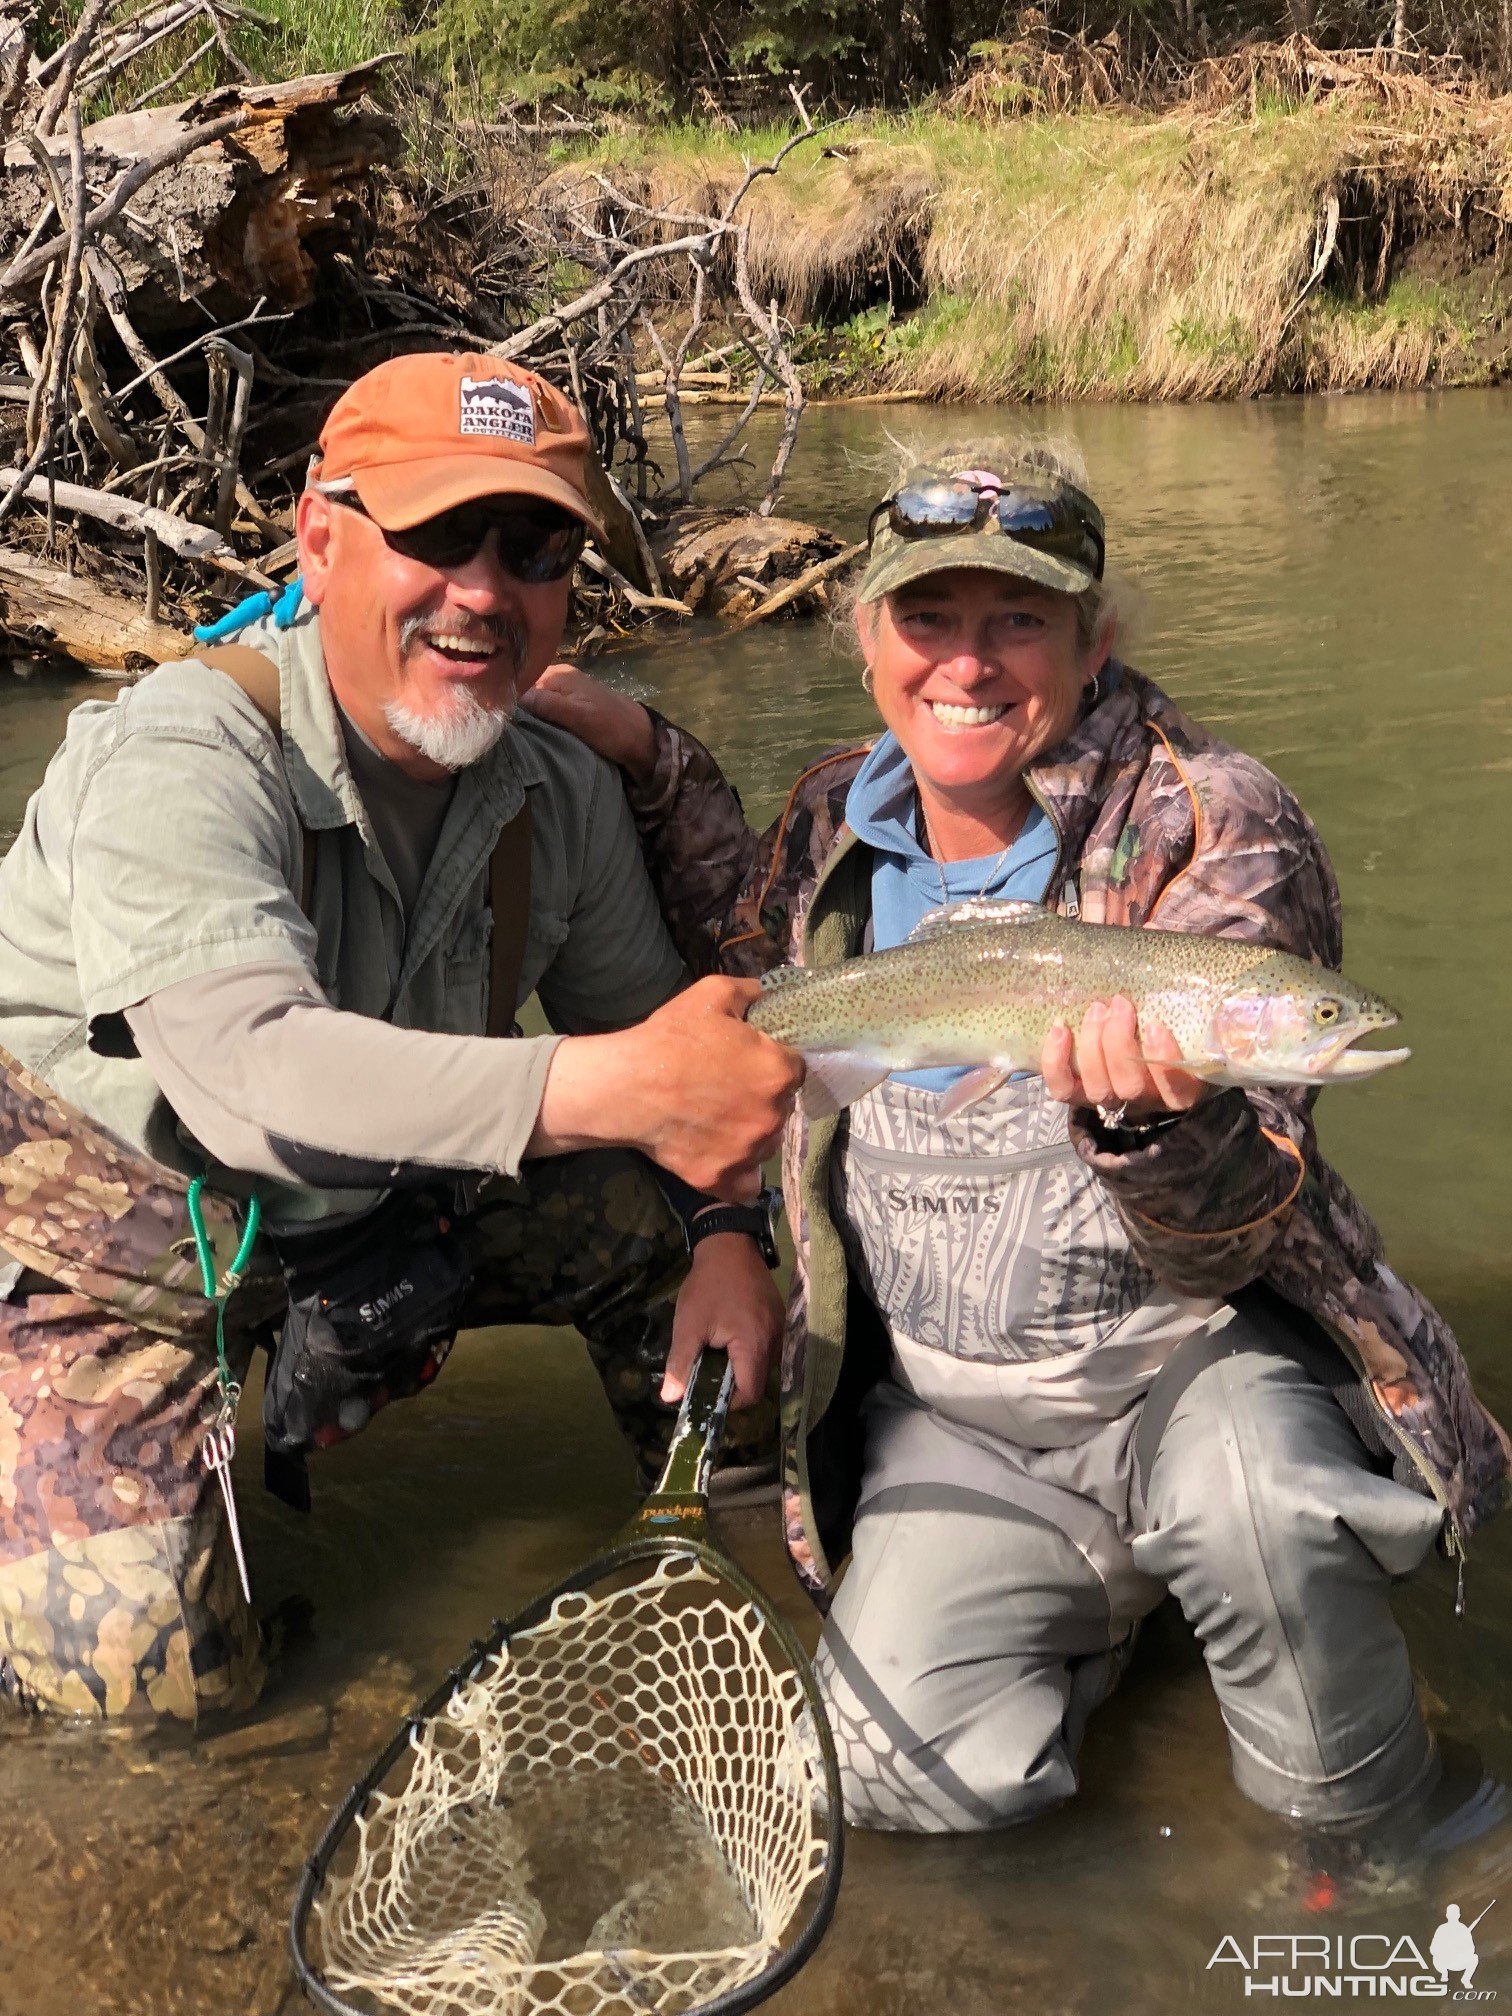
(612, 724)
(730, 1301)
(1105, 1064)
(694, 1086)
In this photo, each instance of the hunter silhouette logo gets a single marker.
(500, 407)
(1452, 1950)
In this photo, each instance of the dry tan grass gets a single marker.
(823, 235)
(1111, 253)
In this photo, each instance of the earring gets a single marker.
(866, 678)
(1092, 691)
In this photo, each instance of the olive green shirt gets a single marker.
(165, 843)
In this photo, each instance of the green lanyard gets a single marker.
(230, 1280)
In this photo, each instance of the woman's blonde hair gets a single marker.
(1100, 604)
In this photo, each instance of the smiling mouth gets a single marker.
(950, 716)
(465, 650)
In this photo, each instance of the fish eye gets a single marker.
(1328, 1011)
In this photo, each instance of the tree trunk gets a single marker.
(939, 39)
(1398, 33)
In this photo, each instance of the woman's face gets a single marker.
(977, 674)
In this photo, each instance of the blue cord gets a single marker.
(253, 610)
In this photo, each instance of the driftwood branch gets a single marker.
(801, 585)
(160, 428)
(70, 58)
(662, 605)
(180, 535)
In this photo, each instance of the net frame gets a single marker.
(672, 1525)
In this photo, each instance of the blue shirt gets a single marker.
(883, 810)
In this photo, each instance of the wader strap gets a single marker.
(258, 677)
(509, 900)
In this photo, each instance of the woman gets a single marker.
(1109, 1333)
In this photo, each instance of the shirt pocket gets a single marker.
(465, 968)
(992, 1259)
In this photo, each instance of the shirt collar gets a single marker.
(325, 792)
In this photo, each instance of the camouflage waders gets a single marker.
(118, 1589)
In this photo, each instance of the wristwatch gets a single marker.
(758, 1221)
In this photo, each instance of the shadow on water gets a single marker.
(1325, 583)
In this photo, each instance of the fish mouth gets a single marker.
(1347, 1063)
(1344, 1061)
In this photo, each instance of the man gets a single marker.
(261, 914)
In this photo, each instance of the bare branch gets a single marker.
(73, 54)
(802, 584)
(664, 605)
(60, 344)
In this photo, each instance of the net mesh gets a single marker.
(621, 1809)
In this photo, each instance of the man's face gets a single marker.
(422, 646)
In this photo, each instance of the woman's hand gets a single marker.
(729, 1302)
(1105, 1065)
(612, 724)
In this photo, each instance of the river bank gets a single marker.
(1331, 243)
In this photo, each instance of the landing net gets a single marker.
(622, 1808)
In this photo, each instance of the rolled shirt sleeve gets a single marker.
(273, 1081)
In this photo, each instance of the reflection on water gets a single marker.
(1325, 582)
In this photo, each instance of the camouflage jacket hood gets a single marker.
(1159, 823)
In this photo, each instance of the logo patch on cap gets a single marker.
(500, 407)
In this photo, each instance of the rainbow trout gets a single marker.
(983, 984)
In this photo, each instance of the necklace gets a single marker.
(987, 880)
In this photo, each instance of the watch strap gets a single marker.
(754, 1220)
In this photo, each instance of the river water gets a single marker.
(1325, 582)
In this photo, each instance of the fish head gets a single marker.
(1291, 1030)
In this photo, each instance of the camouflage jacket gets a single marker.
(1160, 824)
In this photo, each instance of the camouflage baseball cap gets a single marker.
(1028, 523)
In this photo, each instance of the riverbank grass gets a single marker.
(1123, 255)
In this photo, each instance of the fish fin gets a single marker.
(967, 1091)
(975, 910)
(836, 1078)
(1212, 1070)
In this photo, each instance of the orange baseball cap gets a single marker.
(424, 432)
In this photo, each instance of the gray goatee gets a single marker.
(458, 730)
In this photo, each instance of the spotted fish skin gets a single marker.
(982, 984)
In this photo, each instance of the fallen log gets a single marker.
(726, 563)
(257, 181)
(45, 613)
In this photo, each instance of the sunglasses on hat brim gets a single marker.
(1062, 522)
(537, 542)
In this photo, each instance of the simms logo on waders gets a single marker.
(498, 406)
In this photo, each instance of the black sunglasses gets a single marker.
(537, 542)
(1063, 522)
